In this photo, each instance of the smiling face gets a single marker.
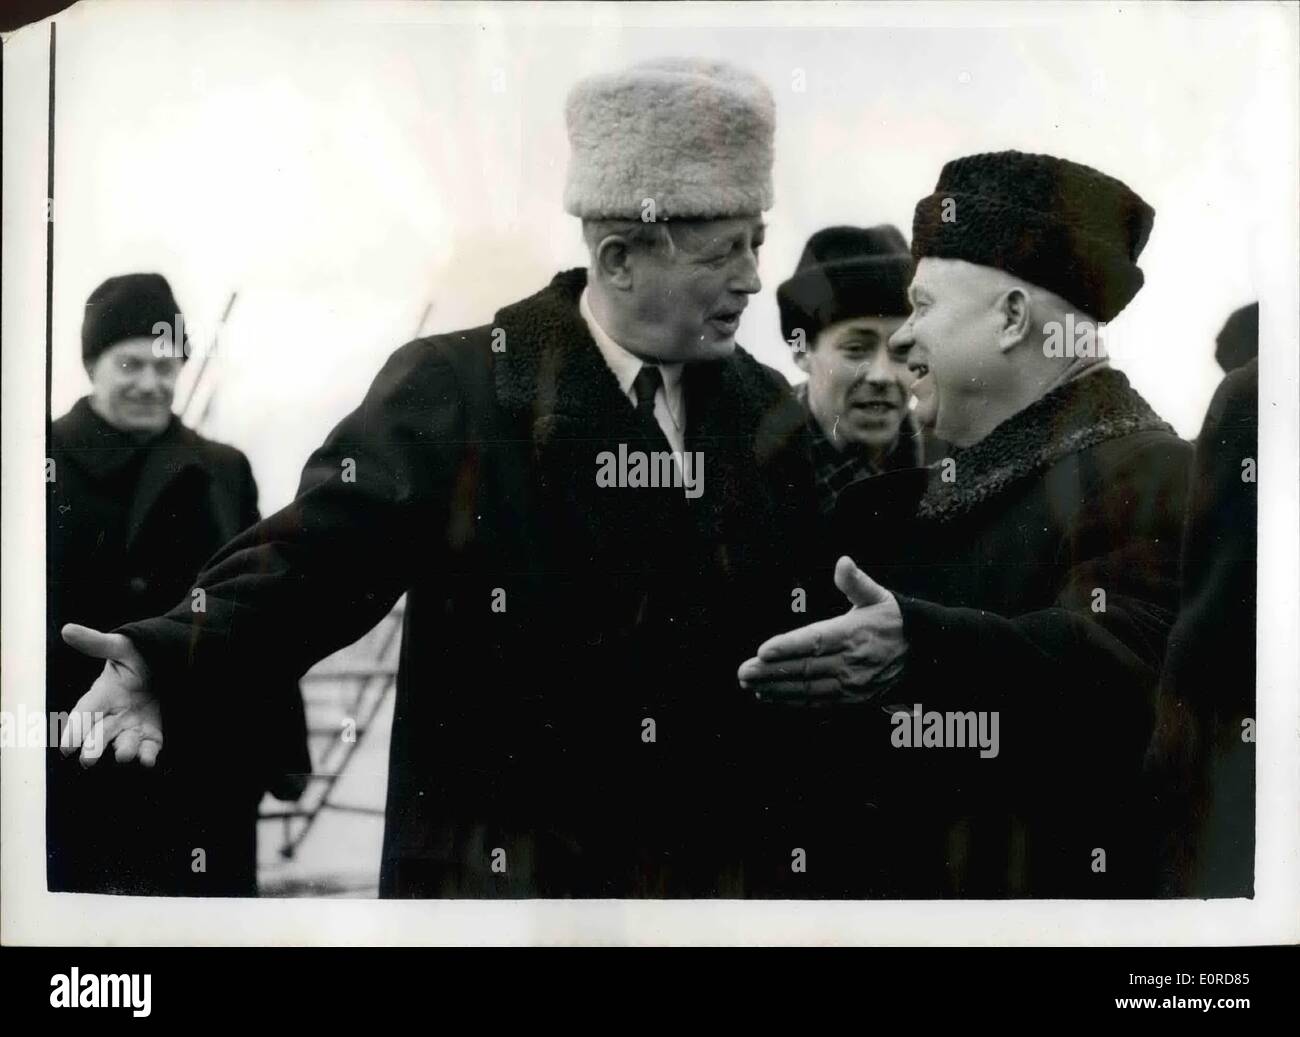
(951, 340)
(925, 398)
(131, 388)
(857, 385)
(682, 301)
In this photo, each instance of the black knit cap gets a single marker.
(846, 272)
(1058, 224)
(127, 307)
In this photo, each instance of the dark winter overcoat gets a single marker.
(129, 524)
(1037, 573)
(568, 719)
(1202, 757)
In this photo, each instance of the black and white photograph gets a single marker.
(692, 473)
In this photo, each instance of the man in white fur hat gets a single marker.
(593, 504)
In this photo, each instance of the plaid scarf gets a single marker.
(835, 470)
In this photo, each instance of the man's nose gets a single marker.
(902, 339)
(879, 368)
(746, 278)
(148, 380)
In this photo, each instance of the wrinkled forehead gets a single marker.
(936, 275)
(697, 235)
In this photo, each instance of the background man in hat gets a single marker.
(1033, 576)
(138, 502)
(846, 299)
(1237, 343)
(1202, 754)
(568, 721)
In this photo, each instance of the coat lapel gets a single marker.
(173, 458)
(558, 393)
(553, 378)
(1080, 414)
(739, 422)
(93, 445)
(103, 453)
(551, 375)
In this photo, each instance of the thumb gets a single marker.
(97, 644)
(856, 585)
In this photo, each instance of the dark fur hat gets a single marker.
(1058, 224)
(846, 272)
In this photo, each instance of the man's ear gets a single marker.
(801, 360)
(614, 261)
(1016, 316)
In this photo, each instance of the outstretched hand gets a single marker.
(846, 660)
(118, 709)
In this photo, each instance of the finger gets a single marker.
(97, 644)
(798, 691)
(113, 725)
(756, 671)
(128, 745)
(856, 585)
(822, 638)
(103, 731)
(80, 723)
(150, 747)
(93, 745)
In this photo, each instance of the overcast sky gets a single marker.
(344, 166)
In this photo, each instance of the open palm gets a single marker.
(119, 709)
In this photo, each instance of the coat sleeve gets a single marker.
(373, 506)
(1056, 673)
(284, 759)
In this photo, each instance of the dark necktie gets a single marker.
(647, 383)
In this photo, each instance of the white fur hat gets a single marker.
(692, 135)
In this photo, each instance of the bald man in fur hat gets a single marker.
(994, 677)
(592, 504)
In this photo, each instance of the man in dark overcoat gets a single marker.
(137, 503)
(995, 677)
(847, 297)
(591, 503)
(1202, 755)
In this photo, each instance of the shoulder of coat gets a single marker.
(461, 349)
(760, 378)
(1147, 447)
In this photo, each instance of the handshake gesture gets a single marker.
(132, 716)
(849, 659)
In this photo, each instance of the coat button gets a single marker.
(139, 584)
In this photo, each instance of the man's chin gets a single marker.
(712, 346)
(925, 414)
(142, 423)
(852, 434)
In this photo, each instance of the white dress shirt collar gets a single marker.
(626, 366)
